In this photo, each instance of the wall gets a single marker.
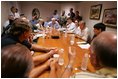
(84, 8)
(46, 8)
(67, 6)
(4, 13)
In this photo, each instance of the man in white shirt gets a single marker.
(14, 12)
(17, 15)
(70, 25)
(82, 31)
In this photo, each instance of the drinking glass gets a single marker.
(72, 50)
(61, 60)
(72, 39)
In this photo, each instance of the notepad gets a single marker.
(84, 46)
(62, 29)
(82, 42)
(39, 35)
(36, 30)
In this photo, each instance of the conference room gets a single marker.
(59, 39)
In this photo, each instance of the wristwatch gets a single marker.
(69, 66)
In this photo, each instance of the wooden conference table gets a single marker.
(64, 42)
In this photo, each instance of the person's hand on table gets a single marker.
(51, 48)
(77, 36)
(52, 52)
(53, 67)
(53, 62)
(48, 62)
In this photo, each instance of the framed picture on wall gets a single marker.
(95, 11)
(110, 17)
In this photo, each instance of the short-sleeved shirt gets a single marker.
(71, 27)
(83, 33)
(56, 25)
(9, 39)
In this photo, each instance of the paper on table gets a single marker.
(84, 46)
(56, 56)
(62, 29)
(36, 30)
(82, 42)
(37, 35)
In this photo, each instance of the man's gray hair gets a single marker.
(82, 22)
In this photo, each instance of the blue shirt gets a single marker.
(55, 25)
(46, 24)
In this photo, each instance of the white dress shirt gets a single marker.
(16, 15)
(82, 33)
(71, 27)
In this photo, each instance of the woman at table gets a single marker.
(98, 28)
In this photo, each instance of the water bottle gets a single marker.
(85, 62)
(61, 60)
(66, 33)
(44, 34)
(72, 39)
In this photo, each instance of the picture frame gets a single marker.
(95, 12)
(110, 17)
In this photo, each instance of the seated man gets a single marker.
(20, 32)
(82, 31)
(40, 24)
(54, 24)
(103, 56)
(77, 26)
(70, 25)
(17, 62)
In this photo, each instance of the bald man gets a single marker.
(105, 48)
(103, 56)
(82, 31)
